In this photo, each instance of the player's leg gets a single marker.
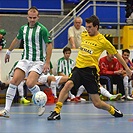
(80, 91)
(23, 100)
(52, 84)
(91, 78)
(32, 79)
(98, 103)
(31, 84)
(55, 115)
(74, 80)
(49, 81)
(11, 91)
(78, 96)
(60, 80)
(118, 79)
(129, 96)
(106, 93)
(125, 82)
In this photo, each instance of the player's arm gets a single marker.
(12, 46)
(48, 57)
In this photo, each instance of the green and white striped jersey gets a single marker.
(35, 40)
(65, 66)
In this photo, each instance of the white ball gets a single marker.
(39, 98)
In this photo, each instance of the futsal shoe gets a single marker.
(117, 113)
(129, 98)
(116, 97)
(4, 113)
(24, 101)
(54, 116)
(41, 110)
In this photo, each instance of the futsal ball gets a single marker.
(39, 98)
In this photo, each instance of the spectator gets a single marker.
(2, 39)
(110, 67)
(126, 80)
(74, 32)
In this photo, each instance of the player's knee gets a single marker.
(69, 84)
(15, 81)
(51, 78)
(29, 84)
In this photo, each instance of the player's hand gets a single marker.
(46, 67)
(7, 57)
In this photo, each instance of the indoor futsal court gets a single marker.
(75, 118)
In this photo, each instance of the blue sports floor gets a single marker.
(75, 118)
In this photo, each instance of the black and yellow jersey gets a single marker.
(91, 49)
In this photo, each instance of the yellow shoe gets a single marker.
(24, 101)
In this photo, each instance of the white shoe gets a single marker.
(82, 99)
(4, 113)
(68, 99)
(129, 98)
(41, 110)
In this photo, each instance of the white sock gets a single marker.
(10, 94)
(125, 81)
(130, 87)
(104, 92)
(53, 88)
(126, 91)
(34, 89)
(21, 89)
(71, 95)
(80, 91)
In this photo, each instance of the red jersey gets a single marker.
(108, 67)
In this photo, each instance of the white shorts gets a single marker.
(58, 78)
(43, 80)
(28, 66)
